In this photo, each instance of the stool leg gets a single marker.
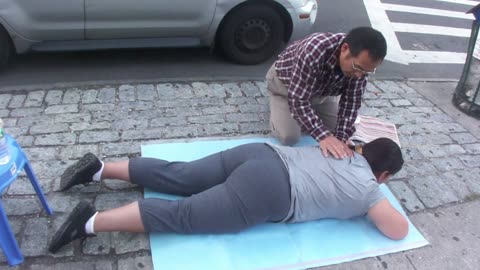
(36, 186)
(8, 243)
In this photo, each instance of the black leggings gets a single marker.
(227, 192)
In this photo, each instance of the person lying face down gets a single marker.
(239, 188)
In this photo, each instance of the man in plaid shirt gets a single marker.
(308, 76)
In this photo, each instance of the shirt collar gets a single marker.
(333, 60)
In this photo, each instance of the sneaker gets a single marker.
(81, 172)
(74, 227)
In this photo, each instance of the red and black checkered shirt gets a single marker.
(308, 68)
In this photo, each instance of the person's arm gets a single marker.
(350, 103)
(388, 220)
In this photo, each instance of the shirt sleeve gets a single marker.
(374, 196)
(301, 90)
(350, 103)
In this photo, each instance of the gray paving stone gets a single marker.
(432, 191)
(35, 120)
(130, 242)
(220, 110)
(4, 113)
(411, 154)
(40, 153)
(52, 128)
(17, 131)
(447, 164)
(417, 101)
(73, 117)
(48, 169)
(457, 181)
(143, 262)
(466, 178)
(54, 97)
(9, 122)
(421, 109)
(99, 136)
(206, 119)
(61, 109)
(90, 126)
(106, 95)
(64, 203)
(250, 89)
(16, 101)
(35, 237)
(389, 87)
(248, 108)
(472, 148)
(117, 185)
(369, 111)
(99, 245)
(470, 161)
(113, 115)
(168, 121)
(56, 139)
(462, 138)
(24, 141)
(155, 133)
(86, 263)
(262, 100)
(127, 124)
(262, 85)
(89, 96)
(72, 96)
(22, 186)
(183, 132)
(419, 168)
(203, 90)
(175, 103)
(378, 102)
(77, 151)
(422, 140)
(430, 128)
(183, 112)
(174, 91)
(99, 107)
(240, 100)
(4, 100)
(434, 118)
(406, 196)
(108, 201)
(401, 102)
(126, 93)
(243, 117)
(232, 89)
(206, 101)
(381, 95)
(34, 99)
(19, 206)
(24, 112)
(431, 151)
(137, 105)
(263, 127)
(146, 92)
(217, 129)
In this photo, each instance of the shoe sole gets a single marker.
(72, 172)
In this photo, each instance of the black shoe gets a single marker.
(74, 227)
(81, 172)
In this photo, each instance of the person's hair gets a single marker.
(367, 38)
(383, 154)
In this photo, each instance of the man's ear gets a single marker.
(383, 177)
(345, 47)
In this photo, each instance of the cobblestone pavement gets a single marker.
(55, 127)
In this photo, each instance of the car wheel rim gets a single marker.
(253, 35)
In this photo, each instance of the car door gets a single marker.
(45, 20)
(113, 19)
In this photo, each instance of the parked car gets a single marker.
(246, 31)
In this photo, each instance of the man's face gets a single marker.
(356, 67)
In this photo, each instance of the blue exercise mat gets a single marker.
(268, 246)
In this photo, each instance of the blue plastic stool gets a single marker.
(8, 174)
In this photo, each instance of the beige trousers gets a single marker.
(283, 126)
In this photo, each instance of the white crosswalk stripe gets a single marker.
(377, 12)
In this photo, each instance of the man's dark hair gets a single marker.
(383, 154)
(367, 38)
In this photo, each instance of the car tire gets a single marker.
(252, 34)
(6, 48)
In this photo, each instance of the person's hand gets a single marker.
(335, 147)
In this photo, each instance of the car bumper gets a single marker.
(303, 19)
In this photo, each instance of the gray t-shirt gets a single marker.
(327, 187)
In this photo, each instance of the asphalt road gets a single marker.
(201, 64)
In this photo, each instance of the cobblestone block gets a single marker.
(9, 122)
(470, 161)
(35, 120)
(127, 124)
(24, 141)
(85, 264)
(369, 111)
(463, 184)
(400, 102)
(77, 151)
(447, 164)
(388, 96)
(48, 169)
(417, 101)
(206, 119)
(420, 168)
(378, 103)
(72, 96)
(262, 85)
(99, 136)
(130, 242)
(232, 89)
(168, 121)
(20, 206)
(146, 92)
(17, 101)
(208, 101)
(216, 90)
(144, 262)
(64, 203)
(25, 112)
(429, 128)
(462, 138)
(240, 100)
(4, 113)
(126, 93)
(34, 99)
(242, 117)
(174, 91)
(262, 100)
(251, 108)
(117, 185)
(99, 245)
(106, 95)
(34, 240)
(56, 139)
(4, 100)
(406, 196)
(61, 109)
(372, 88)
(254, 127)
(182, 132)
(408, 89)
(217, 129)
(428, 110)
(89, 96)
(22, 186)
(183, 112)
(432, 151)
(434, 118)
(53, 97)
(113, 200)
(411, 154)
(250, 89)
(137, 105)
(99, 107)
(390, 87)
(433, 191)
(472, 148)
(52, 128)
(175, 103)
(422, 140)
(146, 134)
(220, 110)
(43, 153)
(111, 116)
(90, 126)
(17, 131)
(122, 148)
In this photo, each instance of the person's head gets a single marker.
(384, 157)
(361, 52)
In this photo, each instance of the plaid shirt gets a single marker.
(308, 68)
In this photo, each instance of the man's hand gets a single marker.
(335, 147)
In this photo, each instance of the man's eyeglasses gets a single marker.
(363, 71)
